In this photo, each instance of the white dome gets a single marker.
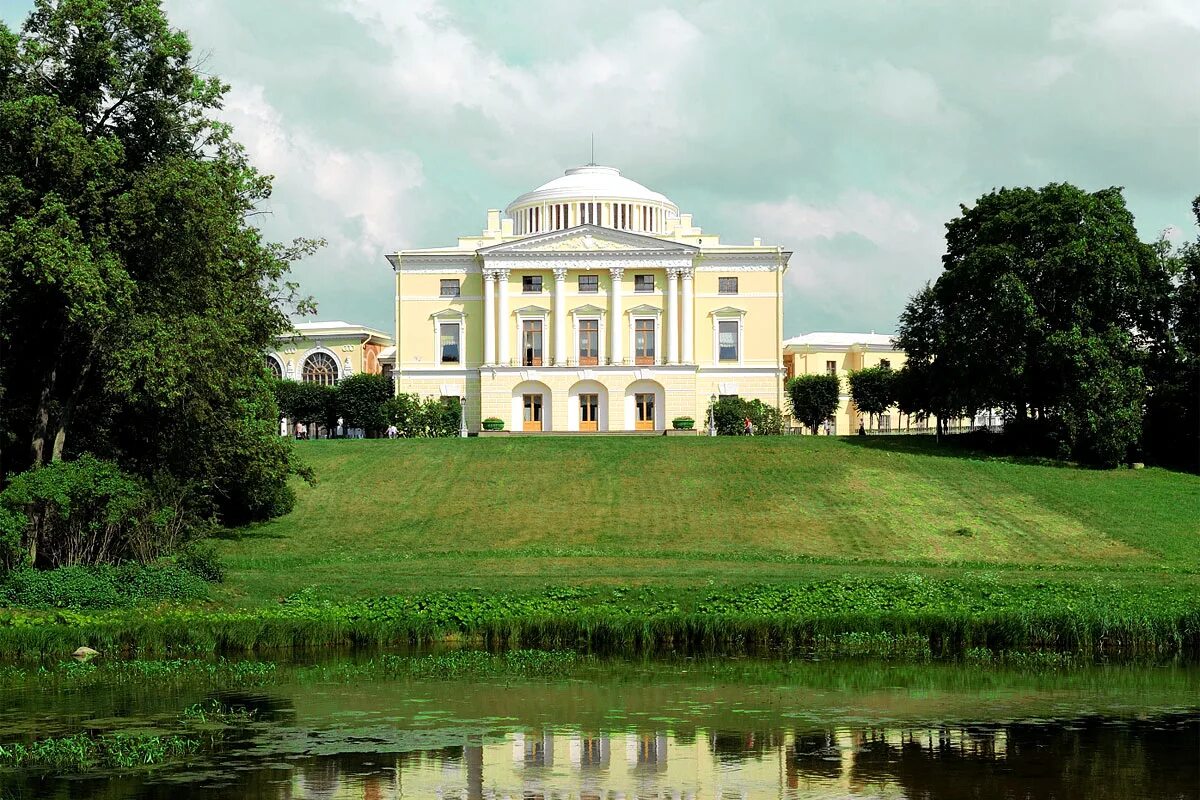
(588, 182)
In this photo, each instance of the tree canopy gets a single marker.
(871, 390)
(136, 295)
(814, 398)
(1046, 306)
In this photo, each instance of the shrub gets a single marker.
(431, 417)
(201, 560)
(82, 512)
(730, 415)
(493, 424)
(100, 587)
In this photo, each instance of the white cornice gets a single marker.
(583, 261)
(540, 244)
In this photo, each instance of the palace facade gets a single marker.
(840, 354)
(589, 304)
(326, 352)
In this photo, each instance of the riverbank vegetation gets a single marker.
(908, 617)
(860, 546)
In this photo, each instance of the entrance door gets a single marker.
(533, 412)
(589, 404)
(645, 411)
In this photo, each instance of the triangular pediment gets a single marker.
(588, 239)
(644, 311)
(588, 310)
(532, 311)
(448, 313)
(728, 311)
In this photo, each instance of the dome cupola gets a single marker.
(591, 195)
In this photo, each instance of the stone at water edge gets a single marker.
(85, 653)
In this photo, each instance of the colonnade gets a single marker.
(497, 322)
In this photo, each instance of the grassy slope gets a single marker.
(394, 517)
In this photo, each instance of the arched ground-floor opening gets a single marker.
(531, 404)
(587, 407)
(645, 406)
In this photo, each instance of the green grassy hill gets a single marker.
(395, 517)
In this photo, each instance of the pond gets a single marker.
(357, 727)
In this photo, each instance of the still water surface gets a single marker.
(657, 730)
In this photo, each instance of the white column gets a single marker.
(503, 323)
(489, 317)
(689, 350)
(560, 317)
(615, 354)
(672, 321)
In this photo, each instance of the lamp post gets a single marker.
(462, 418)
(712, 416)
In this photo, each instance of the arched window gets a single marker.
(274, 369)
(320, 368)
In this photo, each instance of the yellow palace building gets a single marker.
(590, 304)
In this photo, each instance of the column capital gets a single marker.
(616, 272)
(560, 273)
(687, 272)
(673, 272)
(489, 274)
(502, 274)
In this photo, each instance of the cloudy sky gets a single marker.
(846, 131)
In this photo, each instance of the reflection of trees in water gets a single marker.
(1089, 757)
(735, 746)
(815, 754)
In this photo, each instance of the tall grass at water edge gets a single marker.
(907, 616)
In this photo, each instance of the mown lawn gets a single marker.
(396, 517)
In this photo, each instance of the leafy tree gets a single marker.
(871, 390)
(1172, 425)
(730, 414)
(1102, 408)
(136, 297)
(814, 398)
(1026, 272)
(360, 400)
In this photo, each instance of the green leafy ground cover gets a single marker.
(728, 543)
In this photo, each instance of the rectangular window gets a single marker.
(531, 284)
(727, 340)
(451, 287)
(531, 343)
(831, 368)
(643, 341)
(727, 285)
(589, 342)
(589, 284)
(643, 283)
(449, 342)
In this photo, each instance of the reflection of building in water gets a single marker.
(647, 750)
(537, 765)
(533, 751)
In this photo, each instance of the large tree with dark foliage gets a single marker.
(136, 297)
(1172, 434)
(1046, 308)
